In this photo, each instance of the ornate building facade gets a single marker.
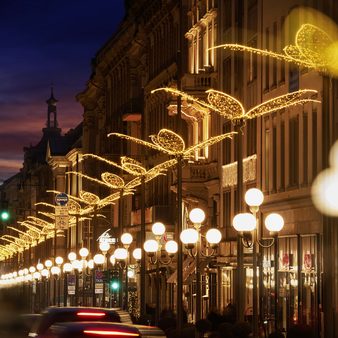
(283, 151)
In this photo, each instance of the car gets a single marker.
(102, 329)
(54, 315)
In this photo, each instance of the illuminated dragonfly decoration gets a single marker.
(313, 48)
(172, 144)
(115, 182)
(232, 109)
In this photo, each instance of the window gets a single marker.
(314, 144)
(227, 75)
(274, 60)
(227, 208)
(282, 155)
(200, 134)
(252, 17)
(251, 136)
(274, 158)
(294, 151)
(282, 39)
(227, 144)
(227, 14)
(267, 154)
(267, 61)
(305, 147)
(293, 78)
(252, 62)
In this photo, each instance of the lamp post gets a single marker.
(67, 268)
(59, 262)
(83, 252)
(154, 249)
(192, 240)
(246, 225)
(55, 271)
(72, 258)
(104, 247)
(99, 261)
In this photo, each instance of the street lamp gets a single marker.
(246, 225)
(192, 240)
(153, 248)
(56, 271)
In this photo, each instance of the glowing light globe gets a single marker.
(171, 247)
(244, 222)
(213, 236)
(189, 236)
(150, 246)
(197, 215)
(137, 254)
(121, 254)
(158, 229)
(274, 222)
(254, 197)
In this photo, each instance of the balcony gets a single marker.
(229, 172)
(199, 82)
(200, 172)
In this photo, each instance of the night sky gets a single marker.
(44, 42)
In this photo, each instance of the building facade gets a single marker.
(283, 151)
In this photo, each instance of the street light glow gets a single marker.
(150, 246)
(158, 229)
(126, 238)
(197, 216)
(189, 236)
(244, 222)
(171, 247)
(254, 197)
(274, 222)
(213, 236)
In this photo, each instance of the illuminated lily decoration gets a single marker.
(170, 143)
(232, 109)
(313, 49)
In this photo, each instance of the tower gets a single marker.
(52, 120)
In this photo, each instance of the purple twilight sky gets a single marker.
(44, 42)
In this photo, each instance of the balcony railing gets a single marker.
(229, 172)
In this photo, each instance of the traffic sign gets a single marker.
(61, 199)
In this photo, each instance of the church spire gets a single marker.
(51, 102)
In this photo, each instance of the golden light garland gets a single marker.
(314, 49)
(232, 109)
(170, 143)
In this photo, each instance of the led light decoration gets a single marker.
(313, 49)
(230, 108)
(172, 144)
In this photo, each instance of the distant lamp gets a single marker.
(254, 197)
(244, 222)
(84, 252)
(137, 254)
(213, 237)
(104, 247)
(197, 216)
(55, 270)
(171, 247)
(32, 269)
(126, 239)
(39, 266)
(59, 260)
(189, 236)
(120, 254)
(158, 229)
(150, 246)
(274, 222)
(72, 256)
(91, 264)
(48, 263)
(67, 267)
(98, 259)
